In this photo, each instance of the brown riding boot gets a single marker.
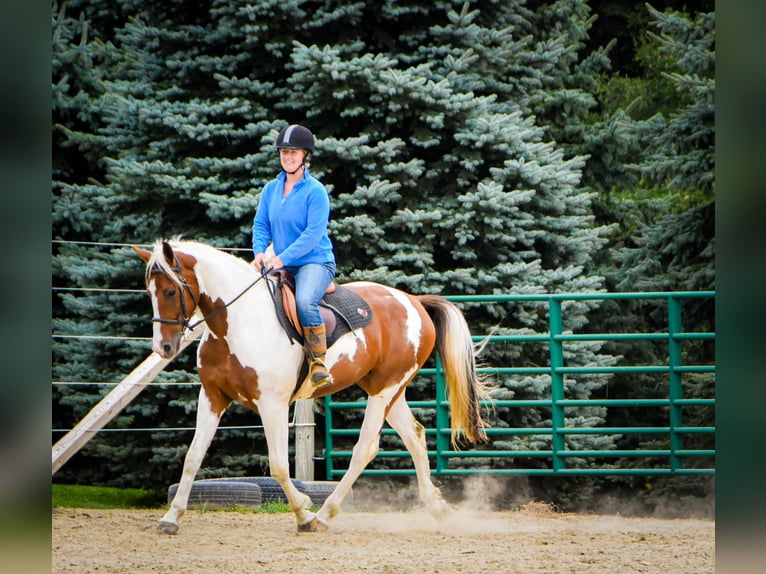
(316, 348)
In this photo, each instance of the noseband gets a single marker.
(185, 287)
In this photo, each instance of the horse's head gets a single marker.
(174, 291)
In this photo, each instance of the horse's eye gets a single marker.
(170, 293)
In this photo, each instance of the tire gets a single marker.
(220, 494)
(319, 490)
(271, 490)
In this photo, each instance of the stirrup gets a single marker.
(320, 379)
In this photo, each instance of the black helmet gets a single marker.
(295, 136)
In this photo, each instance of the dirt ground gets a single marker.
(533, 539)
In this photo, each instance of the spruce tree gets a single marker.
(681, 159)
(435, 139)
(667, 229)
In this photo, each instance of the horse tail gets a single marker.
(465, 389)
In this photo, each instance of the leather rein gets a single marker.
(187, 288)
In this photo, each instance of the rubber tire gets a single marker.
(271, 490)
(220, 494)
(319, 490)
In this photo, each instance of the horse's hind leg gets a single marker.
(413, 434)
(207, 423)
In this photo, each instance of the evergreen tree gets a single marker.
(667, 236)
(681, 159)
(437, 128)
(118, 177)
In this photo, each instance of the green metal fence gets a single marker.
(446, 461)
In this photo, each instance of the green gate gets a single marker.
(446, 461)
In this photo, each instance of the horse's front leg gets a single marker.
(365, 449)
(275, 425)
(207, 423)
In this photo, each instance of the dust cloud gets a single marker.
(475, 495)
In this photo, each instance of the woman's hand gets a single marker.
(258, 261)
(274, 263)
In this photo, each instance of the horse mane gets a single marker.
(157, 261)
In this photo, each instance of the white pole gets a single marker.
(304, 439)
(117, 399)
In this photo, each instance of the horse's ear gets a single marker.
(142, 253)
(167, 251)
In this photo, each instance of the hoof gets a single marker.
(310, 526)
(442, 511)
(167, 528)
(313, 525)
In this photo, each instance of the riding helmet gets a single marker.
(295, 136)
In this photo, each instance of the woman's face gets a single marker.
(291, 159)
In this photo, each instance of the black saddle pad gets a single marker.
(351, 312)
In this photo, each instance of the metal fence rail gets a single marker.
(446, 461)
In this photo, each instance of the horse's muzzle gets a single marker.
(166, 348)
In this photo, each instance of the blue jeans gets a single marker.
(311, 282)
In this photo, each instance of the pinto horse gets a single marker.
(244, 356)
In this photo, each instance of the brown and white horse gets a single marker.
(244, 356)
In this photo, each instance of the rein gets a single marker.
(186, 287)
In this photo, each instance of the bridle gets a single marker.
(185, 287)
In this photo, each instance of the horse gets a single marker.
(243, 355)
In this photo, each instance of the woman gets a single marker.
(293, 213)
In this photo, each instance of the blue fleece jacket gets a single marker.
(298, 225)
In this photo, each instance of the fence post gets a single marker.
(675, 381)
(442, 419)
(328, 454)
(558, 443)
(304, 439)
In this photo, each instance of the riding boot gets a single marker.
(316, 348)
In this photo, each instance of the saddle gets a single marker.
(342, 309)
